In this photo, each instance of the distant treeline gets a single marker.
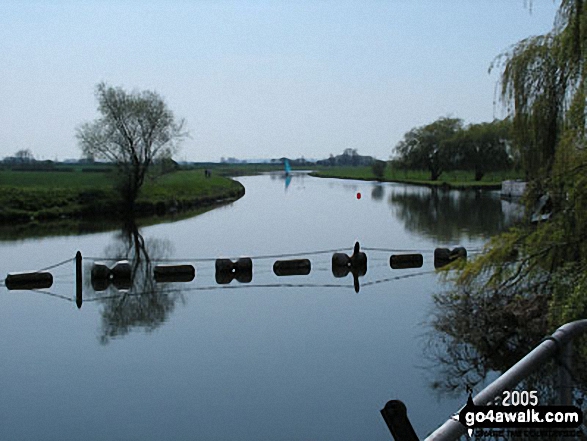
(50, 166)
(349, 157)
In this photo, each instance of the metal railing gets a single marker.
(557, 345)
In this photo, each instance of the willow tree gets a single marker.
(481, 148)
(134, 130)
(425, 147)
(537, 272)
(543, 87)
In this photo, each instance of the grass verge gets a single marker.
(28, 196)
(455, 179)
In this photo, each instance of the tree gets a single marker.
(134, 130)
(544, 85)
(481, 148)
(24, 156)
(426, 147)
(378, 168)
(349, 157)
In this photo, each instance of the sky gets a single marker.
(258, 79)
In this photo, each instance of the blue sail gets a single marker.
(287, 167)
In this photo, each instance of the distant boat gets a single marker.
(287, 167)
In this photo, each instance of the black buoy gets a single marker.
(32, 280)
(100, 276)
(444, 256)
(404, 261)
(120, 275)
(227, 270)
(295, 267)
(174, 273)
(341, 264)
(356, 264)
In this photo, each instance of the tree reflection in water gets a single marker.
(145, 304)
(378, 192)
(449, 215)
(473, 335)
(476, 336)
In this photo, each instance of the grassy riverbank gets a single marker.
(456, 179)
(27, 196)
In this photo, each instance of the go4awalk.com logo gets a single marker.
(518, 416)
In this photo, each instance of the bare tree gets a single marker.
(134, 130)
(24, 155)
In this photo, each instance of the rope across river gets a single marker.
(121, 275)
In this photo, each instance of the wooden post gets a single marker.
(395, 415)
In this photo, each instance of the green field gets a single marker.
(454, 179)
(72, 193)
(186, 185)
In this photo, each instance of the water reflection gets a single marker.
(475, 336)
(140, 303)
(287, 178)
(278, 334)
(449, 215)
(378, 192)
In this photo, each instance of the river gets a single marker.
(281, 358)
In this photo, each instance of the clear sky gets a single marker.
(257, 79)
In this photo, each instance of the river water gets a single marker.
(283, 358)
